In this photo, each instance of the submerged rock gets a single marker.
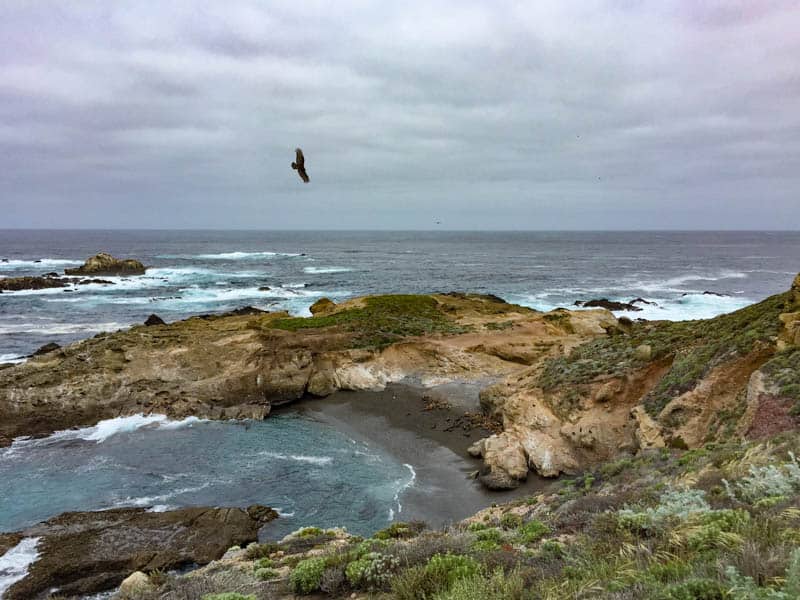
(87, 552)
(105, 264)
(611, 304)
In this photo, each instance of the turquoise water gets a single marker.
(311, 473)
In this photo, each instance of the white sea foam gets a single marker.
(98, 433)
(14, 564)
(284, 514)
(14, 359)
(315, 460)
(153, 501)
(320, 270)
(688, 308)
(60, 328)
(677, 284)
(403, 487)
(232, 255)
(43, 263)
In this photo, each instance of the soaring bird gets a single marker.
(299, 165)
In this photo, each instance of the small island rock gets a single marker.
(105, 264)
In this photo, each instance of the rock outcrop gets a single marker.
(86, 552)
(154, 320)
(14, 284)
(648, 385)
(46, 348)
(613, 304)
(322, 306)
(105, 264)
(565, 388)
(240, 365)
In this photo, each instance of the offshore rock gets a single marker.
(105, 264)
(14, 284)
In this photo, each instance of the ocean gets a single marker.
(313, 473)
(193, 272)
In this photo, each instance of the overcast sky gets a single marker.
(484, 115)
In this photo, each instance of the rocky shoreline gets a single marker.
(81, 553)
(560, 392)
(102, 264)
(572, 387)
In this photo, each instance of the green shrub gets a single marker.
(256, 551)
(696, 589)
(532, 531)
(229, 596)
(264, 563)
(490, 534)
(668, 572)
(373, 571)
(416, 583)
(484, 546)
(552, 548)
(306, 576)
(448, 568)
(616, 467)
(477, 526)
(673, 505)
(397, 531)
(500, 586)
(763, 482)
(511, 521)
(265, 574)
(744, 588)
(309, 532)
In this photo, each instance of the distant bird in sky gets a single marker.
(299, 165)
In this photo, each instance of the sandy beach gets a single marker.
(433, 441)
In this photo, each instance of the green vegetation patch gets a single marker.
(382, 320)
(694, 347)
(307, 575)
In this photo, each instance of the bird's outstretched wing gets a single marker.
(299, 165)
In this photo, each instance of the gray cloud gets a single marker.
(602, 114)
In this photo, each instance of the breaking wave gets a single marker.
(14, 564)
(321, 270)
(314, 460)
(231, 255)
